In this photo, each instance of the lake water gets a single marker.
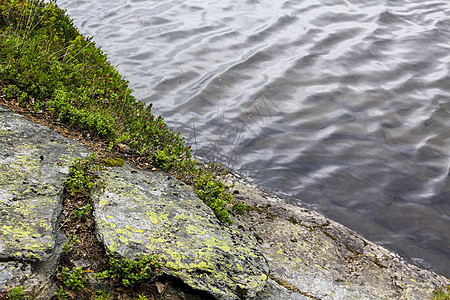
(342, 105)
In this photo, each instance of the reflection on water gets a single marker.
(341, 104)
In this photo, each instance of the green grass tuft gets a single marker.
(442, 294)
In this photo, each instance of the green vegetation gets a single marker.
(73, 279)
(82, 212)
(133, 272)
(240, 208)
(69, 244)
(113, 162)
(61, 294)
(442, 294)
(47, 65)
(17, 293)
(102, 295)
(81, 171)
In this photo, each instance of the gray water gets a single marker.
(341, 105)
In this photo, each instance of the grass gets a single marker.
(442, 294)
(47, 66)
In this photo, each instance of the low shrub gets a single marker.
(73, 279)
(134, 272)
(442, 294)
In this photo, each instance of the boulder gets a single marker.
(33, 165)
(313, 257)
(141, 212)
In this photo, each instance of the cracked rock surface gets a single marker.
(313, 257)
(142, 212)
(31, 193)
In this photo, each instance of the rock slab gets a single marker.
(33, 165)
(313, 257)
(142, 212)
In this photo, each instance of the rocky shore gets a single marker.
(273, 251)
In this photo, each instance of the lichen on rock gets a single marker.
(313, 257)
(142, 212)
(31, 193)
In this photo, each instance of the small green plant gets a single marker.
(142, 297)
(123, 138)
(442, 294)
(17, 293)
(69, 244)
(102, 275)
(110, 146)
(240, 208)
(102, 295)
(81, 174)
(73, 279)
(214, 193)
(61, 294)
(11, 91)
(133, 272)
(82, 212)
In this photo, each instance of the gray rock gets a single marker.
(312, 257)
(143, 212)
(31, 193)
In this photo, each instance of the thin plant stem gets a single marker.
(195, 135)
(79, 51)
(240, 135)
(218, 133)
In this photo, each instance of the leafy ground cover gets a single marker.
(442, 294)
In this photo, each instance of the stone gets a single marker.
(31, 194)
(141, 212)
(313, 257)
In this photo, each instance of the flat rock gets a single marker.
(143, 212)
(313, 257)
(31, 193)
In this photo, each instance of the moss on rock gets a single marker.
(113, 162)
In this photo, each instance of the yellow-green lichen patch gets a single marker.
(156, 214)
(191, 229)
(28, 226)
(180, 217)
(134, 230)
(156, 218)
(31, 184)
